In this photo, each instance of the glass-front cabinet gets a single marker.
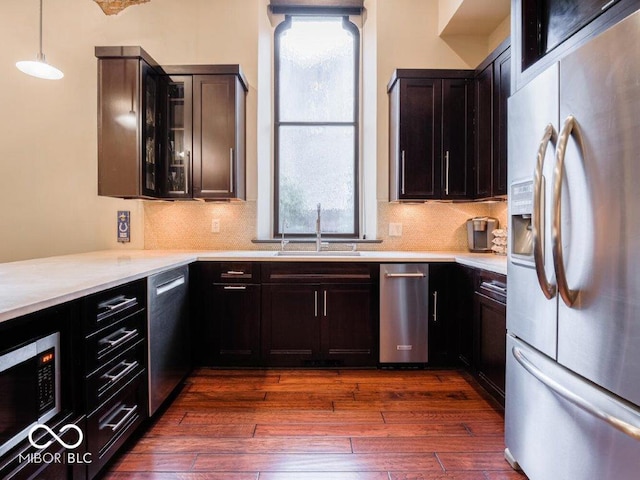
(170, 132)
(129, 123)
(179, 137)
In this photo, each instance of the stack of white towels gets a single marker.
(499, 246)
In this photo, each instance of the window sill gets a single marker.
(313, 240)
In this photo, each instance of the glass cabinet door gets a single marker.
(179, 137)
(149, 117)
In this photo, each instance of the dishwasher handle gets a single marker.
(405, 275)
(170, 285)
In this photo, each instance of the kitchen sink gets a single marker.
(312, 253)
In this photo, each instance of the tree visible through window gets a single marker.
(316, 125)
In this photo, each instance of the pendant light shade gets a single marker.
(39, 67)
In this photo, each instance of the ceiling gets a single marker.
(472, 17)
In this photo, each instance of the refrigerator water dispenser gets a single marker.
(521, 203)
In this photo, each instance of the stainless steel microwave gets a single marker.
(30, 388)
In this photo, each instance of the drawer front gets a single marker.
(492, 285)
(112, 376)
(231, 272)
(109, 306)
(111, 425)
(332, 272)
(105, 345)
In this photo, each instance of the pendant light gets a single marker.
(39, 67)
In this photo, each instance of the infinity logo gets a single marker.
(56, 437)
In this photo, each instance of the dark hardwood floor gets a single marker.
(323, 424)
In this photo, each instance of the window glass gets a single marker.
(316, 125)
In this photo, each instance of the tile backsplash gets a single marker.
(431, 226)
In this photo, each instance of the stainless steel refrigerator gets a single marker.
(573, 308)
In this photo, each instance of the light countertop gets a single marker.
(31, 285)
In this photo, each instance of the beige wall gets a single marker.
(48, 129)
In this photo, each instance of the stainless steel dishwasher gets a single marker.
(404, 311)
(168, 333)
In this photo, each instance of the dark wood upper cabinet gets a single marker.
(218, 136)
(457, 134)
(129, 123)
(544, 31)
(213, 149)
(492, 89)
(429, 128)
(169, 132)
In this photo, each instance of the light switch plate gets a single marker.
(395, 229)
(215, 225)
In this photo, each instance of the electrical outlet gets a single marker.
(395, 229)
(215, 225)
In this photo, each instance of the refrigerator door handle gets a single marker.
(625, 427)
(548, 289)
(568, 296)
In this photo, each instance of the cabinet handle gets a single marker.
(494, 287)
(402, 173)
(110, 307)
(115, 426)
(187, 172)
(235, 287)
(235, 272)
(315, 304)
(231, 170)
(446, 178)
(325, 303)
(128, 367)
(435, 306)
(126, 335)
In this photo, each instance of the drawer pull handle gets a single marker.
(234, 272)
(128, 367)
(126, 335)
(120, 302)
(235, 287)
(494, 287)
(130, 411)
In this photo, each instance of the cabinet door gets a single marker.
(179, 130)
(129, 148)
(484, 132)
(418, 160)
(456, 135)
(463, 311)
(501, 92)
(290, 324)
(231, 327)
(346, 334)
(218, 137)
(442, 321)
(490, 336)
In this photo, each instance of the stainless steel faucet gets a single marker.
(318, 230)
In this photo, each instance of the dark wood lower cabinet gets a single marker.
(232, 326)
(491, 343)
(321, 314)
(442, 320)
(318, 325)
(346, 330)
